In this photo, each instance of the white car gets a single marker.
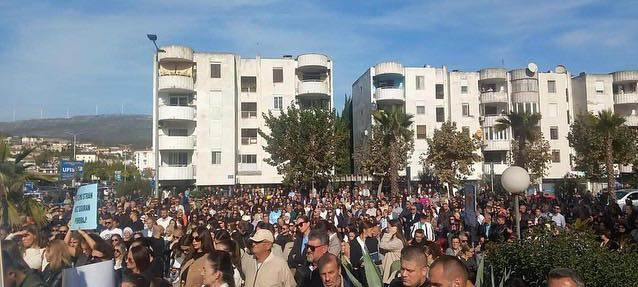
(623, 194)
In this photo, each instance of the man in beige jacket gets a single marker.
(269, 270)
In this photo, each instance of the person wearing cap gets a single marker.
(269, 270)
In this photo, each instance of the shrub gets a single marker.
(542, 250)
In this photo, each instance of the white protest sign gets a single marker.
(84, 214)
(94, 275)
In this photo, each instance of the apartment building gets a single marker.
(617, 91)
(475, 100)
(144, 159)
(208, 109)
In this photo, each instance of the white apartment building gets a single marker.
(208, 108)
(617, 91)
(86, 157)
(144, 159)
(474, 100)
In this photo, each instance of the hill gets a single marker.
(105, 130)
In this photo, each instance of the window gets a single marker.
(215, 70)
(177, 132)
(569, 118)
(553, 133)
(248, 110)
(277, 75)
(552, 110)
(178, 100)
(278, 103)
(600, 87)
(567, 95)
(248, 136)
(420, 83)
(249, 84)
(463, 89)
(420, 110)
(490, 110)
(421, 132)
(551, 87)
(439, 91)
(466, 110)
(555, 156)
(466, 130)
(248, 158)
(216, 157)
(440, 114)
(177, 158)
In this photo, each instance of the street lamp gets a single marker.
(515, 180)
(153, 38)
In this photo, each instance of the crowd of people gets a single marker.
(255, 236)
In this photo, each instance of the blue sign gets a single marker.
(71, 169)
(29, 187)
(84, 214)
(118, 175)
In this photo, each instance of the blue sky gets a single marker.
(56, 55)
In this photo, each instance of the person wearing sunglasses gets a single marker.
(297, 256)
(317, 246)
(201, 244)
(267, 269)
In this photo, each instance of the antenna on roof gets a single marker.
(502, 62)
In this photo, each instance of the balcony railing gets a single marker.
(248, 114)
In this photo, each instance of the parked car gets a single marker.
(623, 194)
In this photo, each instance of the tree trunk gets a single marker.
(521, 153)
(380, 187)
(609, 162)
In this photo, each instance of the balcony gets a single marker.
(313, 62)
(495, 145)
(626, 98)
(175, 83)
(176, 53)
(176, 143)
(177, 113)
(390, 94)
(626, 169)
(493, 74)
(625, 76)
(314, 89)
(493, 97)
(388, 68)
(520, 74)
(248, 169)
(525, 97)
(631, 120)
(177, 172)
(499, 168)
(489, 121)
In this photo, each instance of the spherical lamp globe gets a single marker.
(515, 180)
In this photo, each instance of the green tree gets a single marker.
(525, 129)
(13, 175)
(302, 144)
(451, 154)
(536, 157)
(344, 147)
(600, 141)
(388, 149)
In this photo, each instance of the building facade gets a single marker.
(144, 159)
(208, 109)
(475, 100)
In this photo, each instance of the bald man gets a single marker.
(448, 271)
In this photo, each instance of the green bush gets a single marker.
(543, 250)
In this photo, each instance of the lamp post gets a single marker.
(515, 180)
(153, 38)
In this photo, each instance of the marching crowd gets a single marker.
(258, 237)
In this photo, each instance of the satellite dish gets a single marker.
(532, 67)
(560, 69)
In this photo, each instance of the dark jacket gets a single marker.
(482, 231)
(297, 257)
(32, 280)
(356, 259)
(52, 278)
(398, 283)
(305, 277)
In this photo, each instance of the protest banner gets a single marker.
(84, 214)
(99, 274)
(71, 169)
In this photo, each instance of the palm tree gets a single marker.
(395, 126)
(524, 129)
(606, 123)
(13, 175)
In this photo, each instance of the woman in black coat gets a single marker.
(59, 258)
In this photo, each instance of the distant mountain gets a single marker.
(105, 130)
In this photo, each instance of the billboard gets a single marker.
(71, 169)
